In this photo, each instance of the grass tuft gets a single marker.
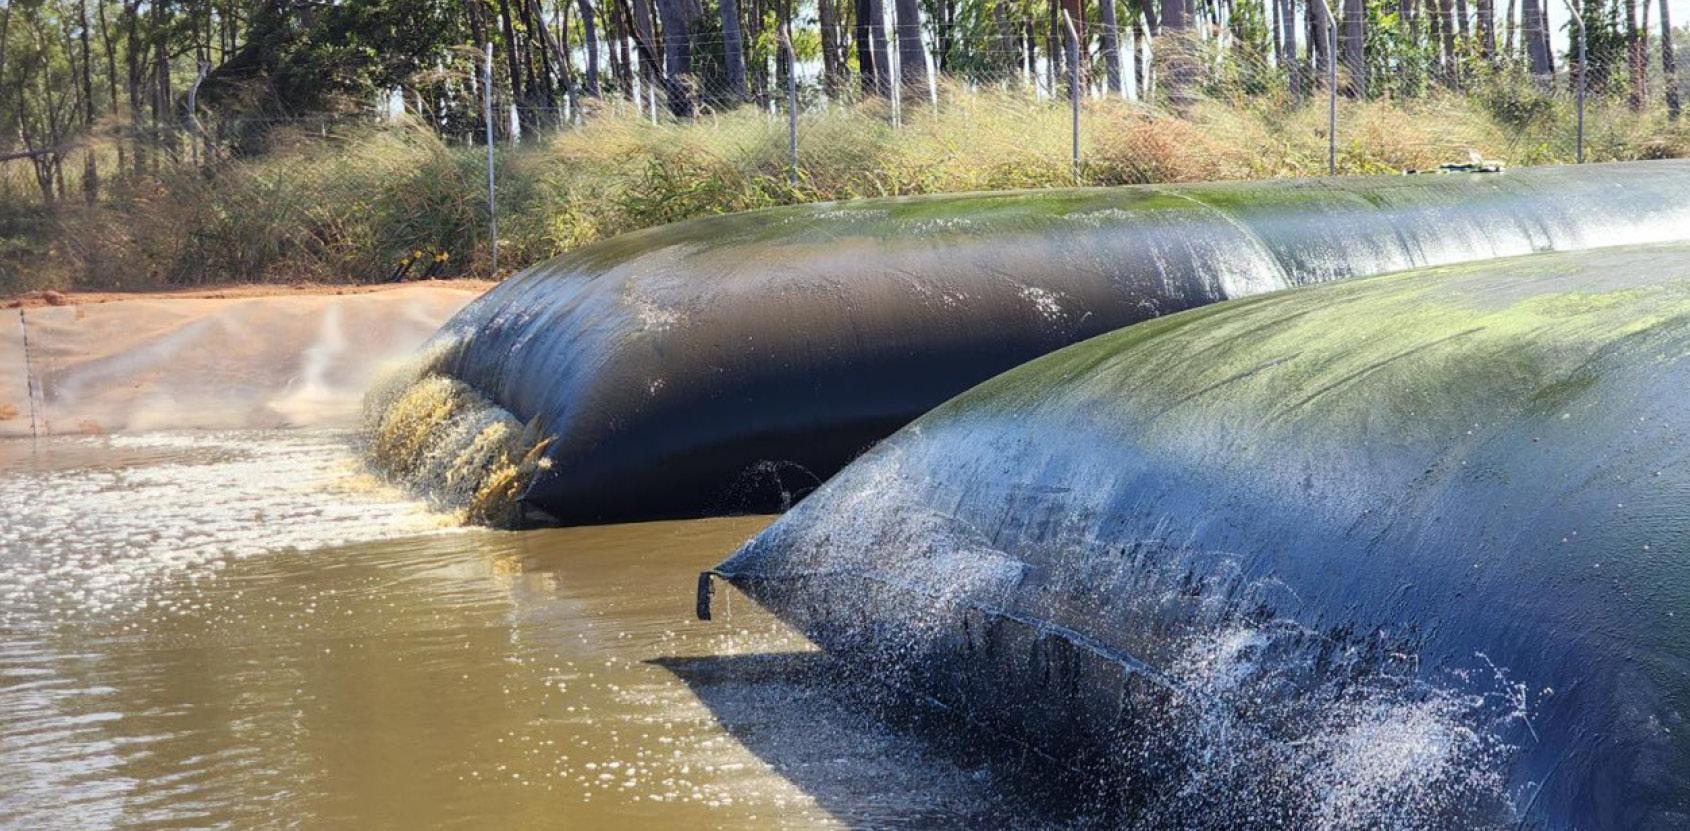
(348, 207)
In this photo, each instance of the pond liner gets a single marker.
(1406, 551)
(730, 364)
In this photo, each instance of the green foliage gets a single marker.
(334, 56)
(349, 206)
(1250, 31)
(1399, 63)
(1605, 44)
(1513, 99)
(294, 177)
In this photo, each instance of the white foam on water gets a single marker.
(443, 440)
(84, 533)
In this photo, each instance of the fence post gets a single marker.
(1578, 18)
(1331, 90)
(897, 86)
(1074, 87)
(791, 106)
(487, 118)
(895, 75)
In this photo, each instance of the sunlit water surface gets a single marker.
(243, 630)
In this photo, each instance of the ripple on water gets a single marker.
(372, 670)
(91, 524)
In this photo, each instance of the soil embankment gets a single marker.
(231, 357)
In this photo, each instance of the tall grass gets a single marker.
(349, 207)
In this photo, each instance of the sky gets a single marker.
(1558, 18)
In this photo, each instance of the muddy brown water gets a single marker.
(242, 630)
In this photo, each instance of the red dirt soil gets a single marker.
(36, 299)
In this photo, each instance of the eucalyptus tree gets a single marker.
(677, 18)
(733, 49)
(1352, 36)
(1669, 63)
(1111, 45)
(591, 45)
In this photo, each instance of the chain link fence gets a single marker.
(479, 181)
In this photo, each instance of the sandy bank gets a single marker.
(229, 357)
(235, 291)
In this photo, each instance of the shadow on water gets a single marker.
(866, 753)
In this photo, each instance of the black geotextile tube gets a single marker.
(729, 364)
(1410, 551)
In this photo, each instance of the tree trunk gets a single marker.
(1669, 63)
(1141, 67)
(1408, 14)
(5, 38)
(1055, 46)
(644, 35)
(1446, 32)
(1173, 17)
(161, 79)
(590, 46)
(1634, 55)
(1030, 54)
(1007, 43)
(945, 38)
(912, 57)
(677, 17)
(1509, 28)
(615, 45)
(513, 68)
(1174, 47)
(1112, 45)
(559, 53)
(132, 58)
(90, 167)
(625, 60)
(1531, 25)
(733, 48)
(477, 26)
(109, 43)
(531, 82)
(1487, 30)
(1643, 49)
(1351, 37)
(882, 51)
(559, 40)
(39, 153)
(867, 71)
(1076, 11)
(827, 16)
(1320, 40)
(645, 44)
(783, 60)
(1288, 30)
